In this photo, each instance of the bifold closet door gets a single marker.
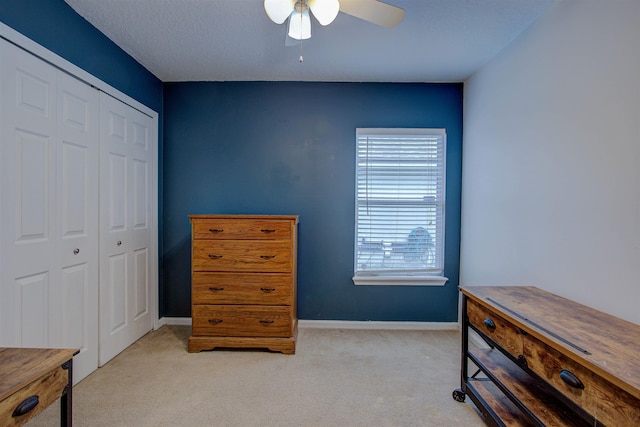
(49, 151)
(126, 267)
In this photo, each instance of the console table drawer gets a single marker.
(502, 332)
(47, 389)
(598, 397)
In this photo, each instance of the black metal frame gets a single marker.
(66, 400)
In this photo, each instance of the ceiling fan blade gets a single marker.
(279, 10)
(374, 11)
(325, 11)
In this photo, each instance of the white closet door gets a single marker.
(49, 204)
(126, 267)
(77, 221)
(28, 198)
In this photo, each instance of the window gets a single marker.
(400, 195)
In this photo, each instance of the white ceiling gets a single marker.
(225, 40)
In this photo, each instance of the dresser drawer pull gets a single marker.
(268, 231)
(215, 321)
(212, 256)
(570, 379)
(267, 256)
(216, 289)
(27, 405)
(489, 323)
(267, 290)
(216, 230)
(266, 322)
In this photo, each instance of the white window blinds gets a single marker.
(400, 201)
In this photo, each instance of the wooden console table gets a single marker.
(33, 378)
(548, 360)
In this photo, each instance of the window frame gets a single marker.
(427, 277)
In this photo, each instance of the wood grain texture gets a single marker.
(504, 334)
(242, 255)
(249, 228)
(242, 321)
(614, 344)
(600, 349)
(244, 282)
(242, 288)
(19, 366)
(607, 402)
(282, 345)
(26, 372)
(549, 410)
(505, 409)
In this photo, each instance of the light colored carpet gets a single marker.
(336, 378)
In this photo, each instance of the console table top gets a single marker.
(20, 366)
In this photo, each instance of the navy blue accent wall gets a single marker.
(289, 148)
(56, 26)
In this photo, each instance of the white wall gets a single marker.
(551, 181)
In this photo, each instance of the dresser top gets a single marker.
(605, 344)
(229, 216)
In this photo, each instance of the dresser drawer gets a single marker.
(242, 288)
(246, 229)
(242, 255)
(503, 333)
(241, 321)
(607, 402)
(48, 389)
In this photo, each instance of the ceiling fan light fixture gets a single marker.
(325, 11)
(279, 10)
(300, 25)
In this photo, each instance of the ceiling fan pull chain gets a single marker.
(301, 58)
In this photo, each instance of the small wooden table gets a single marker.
(33, 378)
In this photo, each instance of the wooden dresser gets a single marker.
(549, 361)
(243, 283)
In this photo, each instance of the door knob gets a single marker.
(76, 251)
(119, 242)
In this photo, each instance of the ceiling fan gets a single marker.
(325, 11)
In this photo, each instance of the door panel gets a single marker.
(141, 196)
(117, 293)
(33, 175)
(75, 330)
(141, 300)
(117, 215)
(125, 230)
(33, 310)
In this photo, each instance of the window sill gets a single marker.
(405, 280)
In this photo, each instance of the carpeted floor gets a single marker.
(336, 378)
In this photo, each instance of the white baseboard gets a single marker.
(344, 324)
(183, 321)
(350, 324)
